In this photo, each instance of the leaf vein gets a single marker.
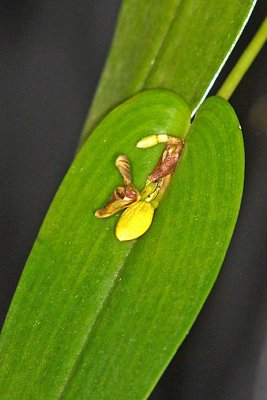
(95, 323)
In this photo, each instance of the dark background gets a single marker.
(52, 53)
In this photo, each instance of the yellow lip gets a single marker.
(134, 221)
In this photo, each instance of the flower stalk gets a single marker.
(244, 62)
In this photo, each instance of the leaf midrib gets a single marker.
(95, 323)
(160, 48)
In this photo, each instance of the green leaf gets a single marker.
(97, 318)
(179, 45)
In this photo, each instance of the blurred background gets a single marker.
(52, 55)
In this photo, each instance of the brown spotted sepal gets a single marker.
(123, 195)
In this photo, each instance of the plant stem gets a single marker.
(244, 62)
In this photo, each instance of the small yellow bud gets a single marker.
(150, 141)
(135, 221)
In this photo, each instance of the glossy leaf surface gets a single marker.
(179, 45)
(95, 318)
